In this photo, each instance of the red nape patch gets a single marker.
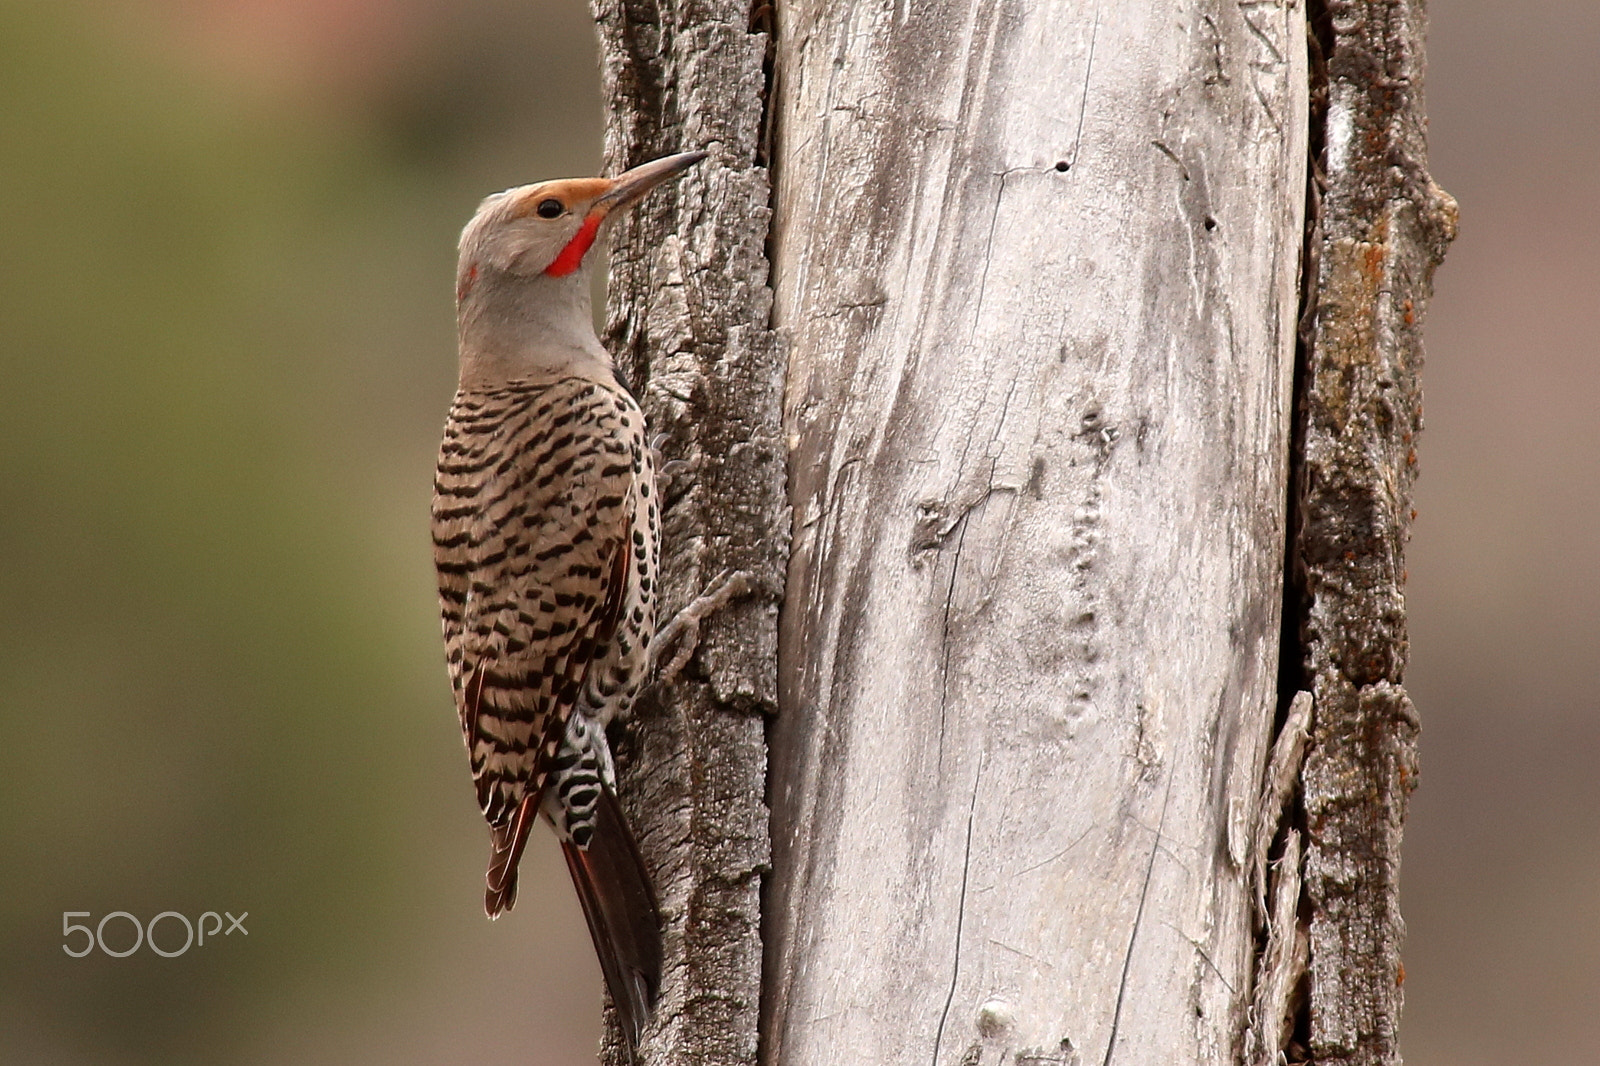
(467, 283)
(571, 257)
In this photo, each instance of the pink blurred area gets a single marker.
(297, 47)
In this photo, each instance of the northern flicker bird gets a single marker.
(545, 532)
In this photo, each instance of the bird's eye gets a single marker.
(551, 208)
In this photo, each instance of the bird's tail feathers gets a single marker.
(505, 851)
(620, 906)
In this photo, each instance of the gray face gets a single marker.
(522, 298)
(549, 227)
(523, 230)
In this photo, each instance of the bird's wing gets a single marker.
(531, 516)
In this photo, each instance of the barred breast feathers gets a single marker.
(535, 542)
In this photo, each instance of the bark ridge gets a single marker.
(688, 312)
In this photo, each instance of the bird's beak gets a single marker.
(629, 187)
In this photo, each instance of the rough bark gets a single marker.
(1037, 266)
(1384, 227)
(688, 319)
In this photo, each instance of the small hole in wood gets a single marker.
(1063, 166)
(1211, 223)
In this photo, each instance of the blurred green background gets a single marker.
(227, 329)
(226, 333)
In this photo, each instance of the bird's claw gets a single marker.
(684, 629)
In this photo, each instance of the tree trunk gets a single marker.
(1036, 271)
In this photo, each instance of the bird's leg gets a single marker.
(684, 629)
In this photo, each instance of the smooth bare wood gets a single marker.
(1037, 268)
(1383, 228)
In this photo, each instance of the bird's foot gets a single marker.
(684, 629)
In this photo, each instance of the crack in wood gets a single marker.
(1170, 154)
(944, 663)
(961, 913)
(1138, 919)
(1083, 101)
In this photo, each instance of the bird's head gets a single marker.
(547, 229)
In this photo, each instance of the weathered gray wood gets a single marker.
(1037, 267)
(688, 318)
(1273, 1012)
(1384, 227)
(1280, 968)
(1278, 790)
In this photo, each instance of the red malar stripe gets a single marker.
(571, 257)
